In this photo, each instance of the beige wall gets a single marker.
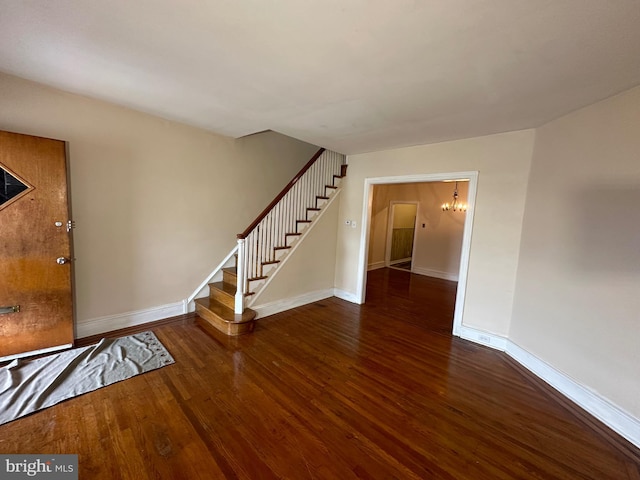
(404, 215)
(503, 163)
(157, 204)
(577, 302)
(438, 243)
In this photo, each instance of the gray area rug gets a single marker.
(27, 386)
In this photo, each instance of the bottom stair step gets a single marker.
(214, 314)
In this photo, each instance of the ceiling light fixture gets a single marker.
(456, 205)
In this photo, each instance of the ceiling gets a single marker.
(350, 75)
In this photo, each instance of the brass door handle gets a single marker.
(10, 309)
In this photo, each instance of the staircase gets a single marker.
(265, 244)
(217, 310)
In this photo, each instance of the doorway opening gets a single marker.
(401, 232)
(466, 219)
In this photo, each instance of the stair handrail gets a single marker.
(259, 246)
(280, 196)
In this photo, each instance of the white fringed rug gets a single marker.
(27, 386)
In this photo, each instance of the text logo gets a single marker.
(50, 467)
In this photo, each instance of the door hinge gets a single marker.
(10, 309)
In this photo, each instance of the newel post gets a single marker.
(241, 276)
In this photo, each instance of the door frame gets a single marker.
(387, 249)
(369, 183)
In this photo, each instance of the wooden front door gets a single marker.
(36, 312)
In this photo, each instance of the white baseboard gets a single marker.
(272, 308)
(604, 410)
(435, 273)
(96, 326)
(400, 260)
(375, 265)
(348, 296)
(601, 408)
(278, 306)
(483, 338)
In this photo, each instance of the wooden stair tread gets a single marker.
(230, 270)
(225, 313)
(281, 248)
(253, 279)
(214, 317)
(224, 287)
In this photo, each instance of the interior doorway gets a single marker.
(461, 277)
(401, 234)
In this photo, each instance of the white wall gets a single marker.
(577, 302)
(503, 163)
(438, 243)
(157, 204)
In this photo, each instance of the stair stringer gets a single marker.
(259, 289)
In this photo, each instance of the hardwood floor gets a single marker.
(330, 390)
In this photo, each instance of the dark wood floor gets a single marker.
(330, 390)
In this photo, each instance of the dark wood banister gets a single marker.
(284, 191)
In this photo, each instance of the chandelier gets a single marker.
(456, 205)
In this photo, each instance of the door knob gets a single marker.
(62, 260)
